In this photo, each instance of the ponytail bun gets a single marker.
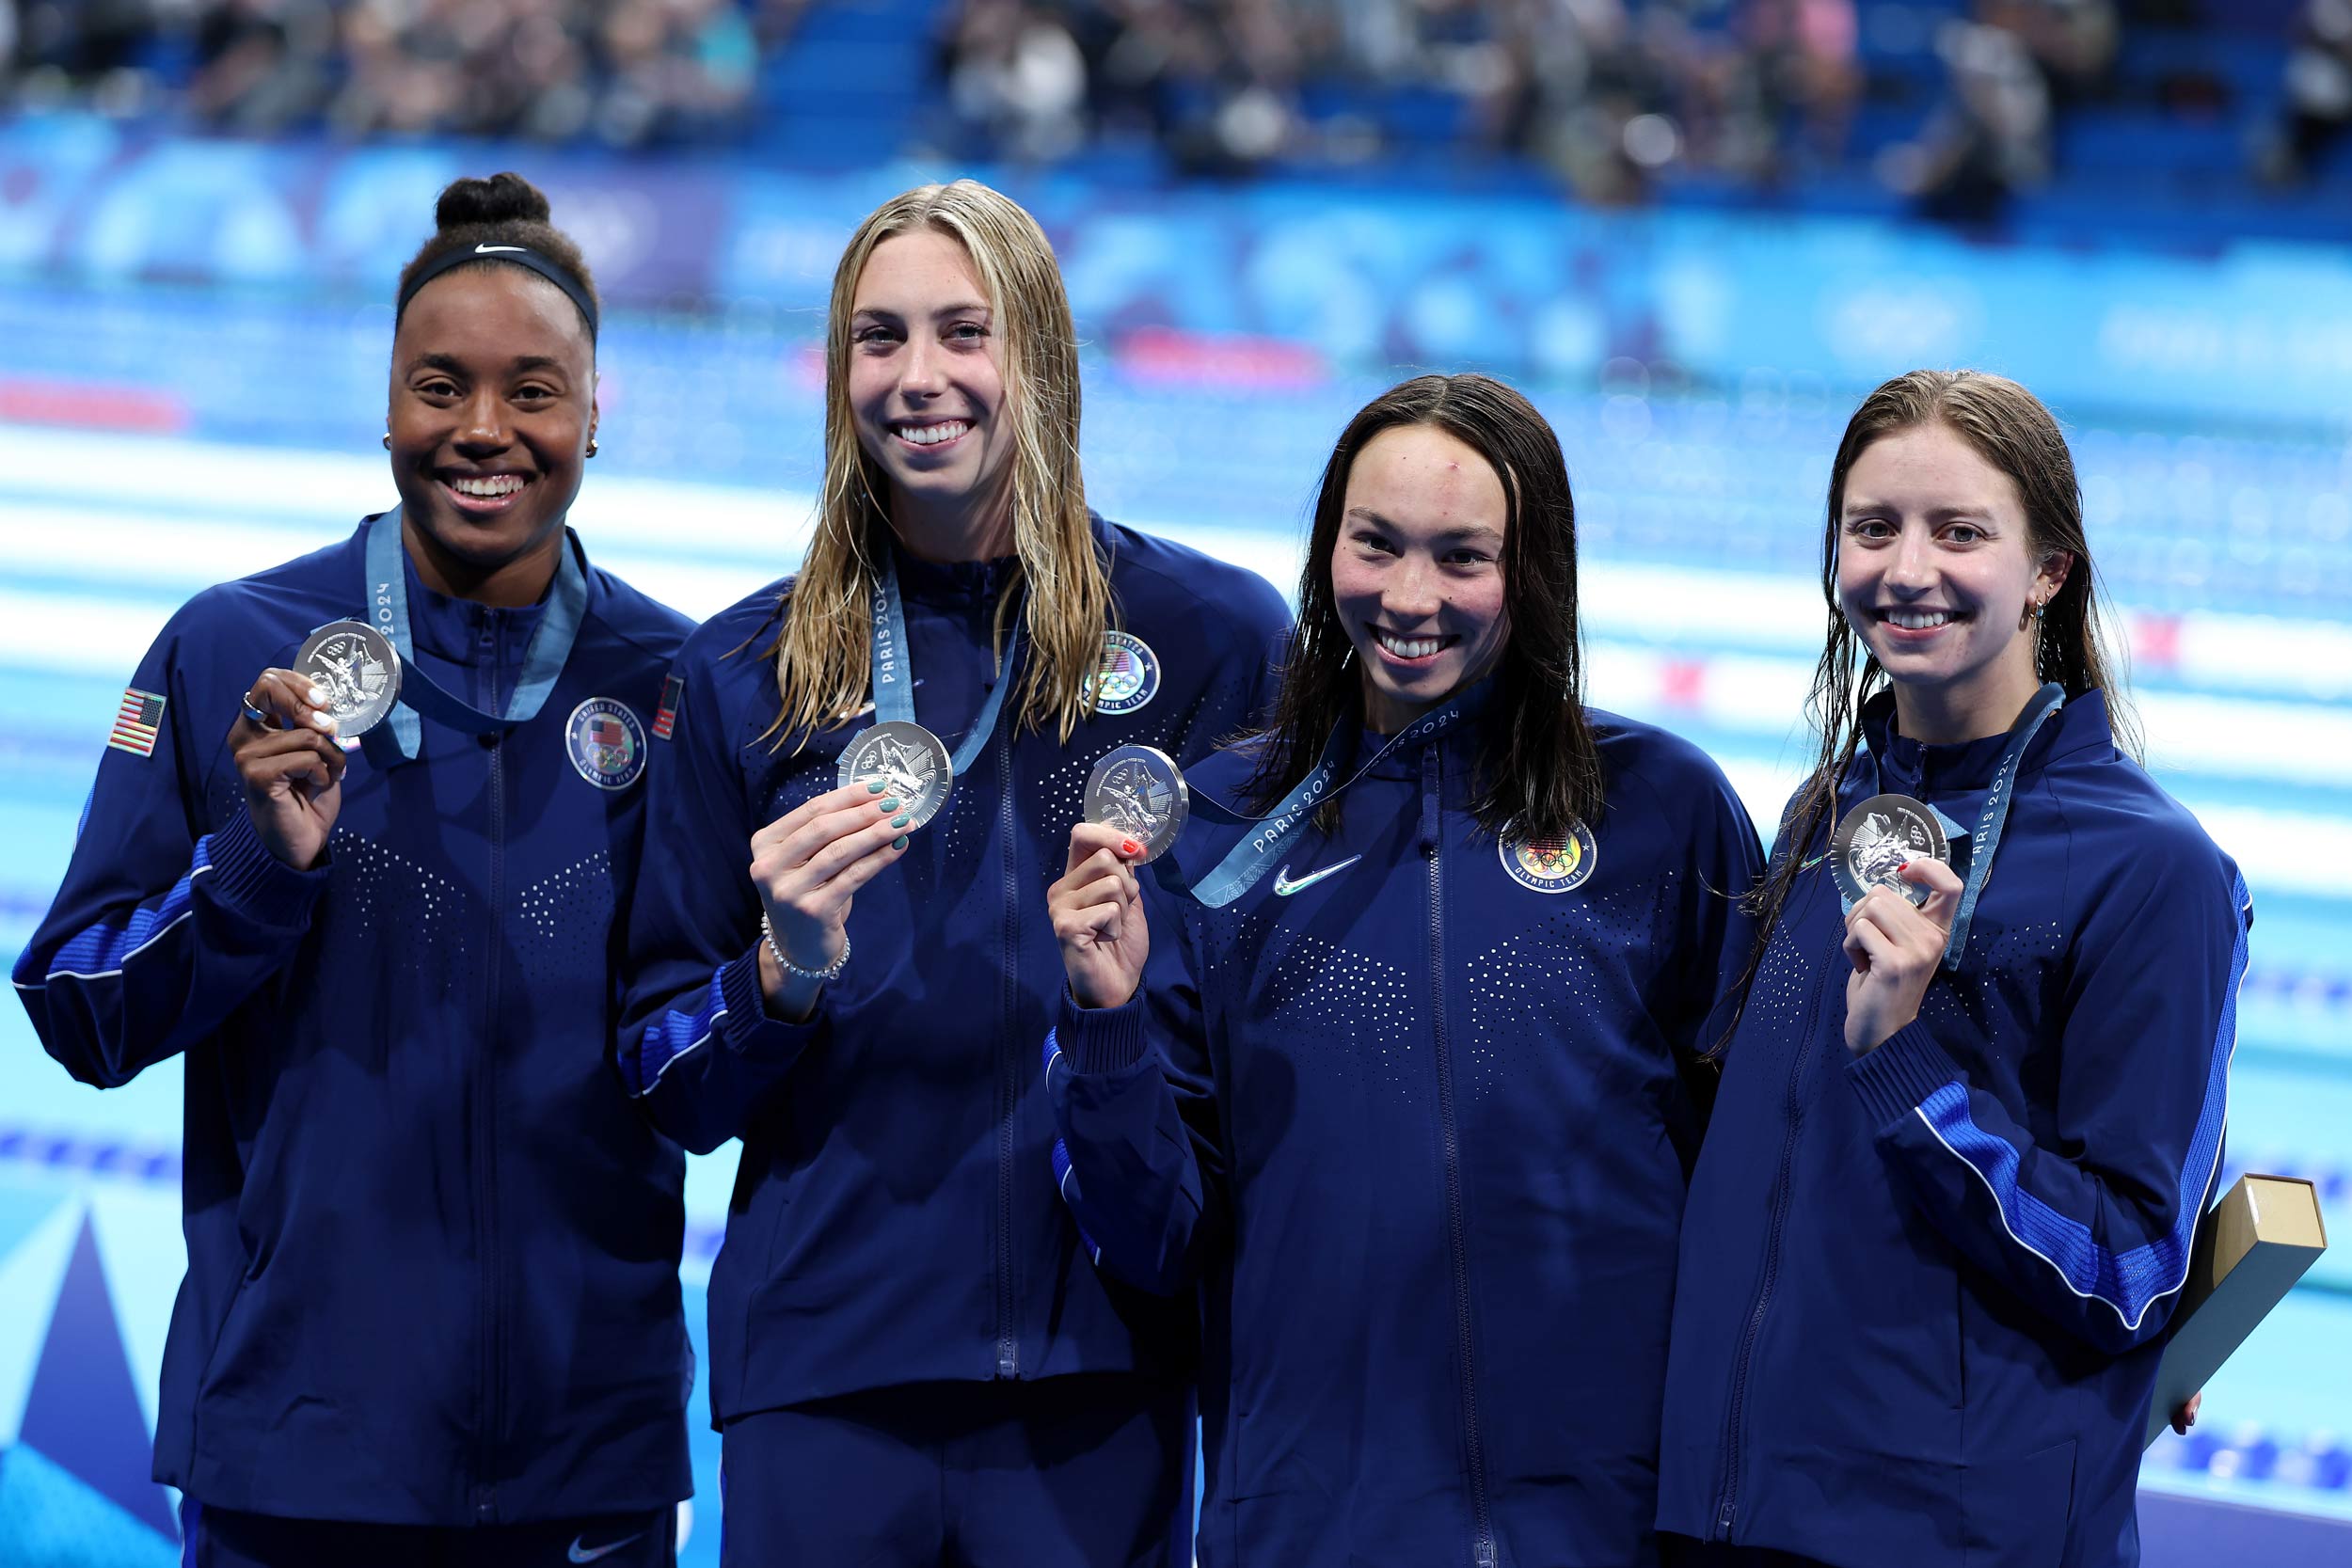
(478, 203)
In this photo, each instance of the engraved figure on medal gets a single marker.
(1141, 791)
(359, 669)
(1877, 837)
(909, 763)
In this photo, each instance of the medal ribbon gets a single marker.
(1246, 864)
(1995, 813)
(893, 670)
(397, 740)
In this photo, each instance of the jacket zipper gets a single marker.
(1008, 1069)
(1482, 1516)
(485, 1098)
(1727, 1498)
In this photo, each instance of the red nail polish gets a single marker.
(1129, 847)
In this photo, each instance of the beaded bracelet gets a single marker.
(789, 967)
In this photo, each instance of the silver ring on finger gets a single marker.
(244, 700)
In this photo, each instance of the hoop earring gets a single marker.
(592, 446)
(388, 440)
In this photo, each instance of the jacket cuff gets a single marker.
(1907, 1067)
(1100, 1039)
(746, 1026)
(254, 883)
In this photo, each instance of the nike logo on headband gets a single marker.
(485, 249)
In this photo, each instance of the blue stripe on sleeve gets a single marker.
(2133, 1281)
(663, 1042)
(1065, 1180)
(99, 952)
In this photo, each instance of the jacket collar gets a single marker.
(1908, 766)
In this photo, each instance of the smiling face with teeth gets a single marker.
(1936, 569)
(1417, 570)
(926, 384)
(493, 404)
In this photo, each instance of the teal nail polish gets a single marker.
(875, 786)
(899, 820)
(891, 804)
(899, 843)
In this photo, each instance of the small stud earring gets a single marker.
(592, 446)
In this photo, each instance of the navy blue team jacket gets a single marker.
(1924, 1292)
(893, 1218)
(431, 1247)
(1414, 1108)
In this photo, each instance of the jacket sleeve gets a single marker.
(696, 1047)
(1139, 1160)
(2092, 1223)
(161, 929)
(1714, 937)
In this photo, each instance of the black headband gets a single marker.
(547, 267)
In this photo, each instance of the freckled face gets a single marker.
(1417, 570)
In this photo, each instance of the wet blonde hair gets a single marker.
(823, 652)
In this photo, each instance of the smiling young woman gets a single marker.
(432, 1308)
(912, 1360)
(1403, 1084)
(1969, 1117)
(492, 410)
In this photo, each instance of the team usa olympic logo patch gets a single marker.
(1551, 865)
(606, 742)
(1130, 676)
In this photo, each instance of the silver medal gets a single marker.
(359, 670)
(1877, 837)
(1141, 791)
(908, 761)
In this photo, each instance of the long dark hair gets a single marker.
(2009, 427)
(1541, 769)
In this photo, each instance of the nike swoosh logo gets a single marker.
(1285, 887)
(579, 1552)
(484, 250)
(1817, 860)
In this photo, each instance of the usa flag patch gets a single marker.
(137, 722)
(665, 717)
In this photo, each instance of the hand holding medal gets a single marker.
(284, 746)
(1097, 910)
(808, 865)
(1890, 851)
(1135, 805)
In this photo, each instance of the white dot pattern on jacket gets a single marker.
(568, 916)
(1365, 1013)
(1586, 960)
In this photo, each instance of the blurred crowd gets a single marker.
(1603, 88)
(1610, 94)
(628, 72)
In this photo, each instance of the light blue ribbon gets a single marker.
(1992, 817)
(893, 670)
(1246, 864)
(398, 738)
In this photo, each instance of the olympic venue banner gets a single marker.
(1279, 283)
